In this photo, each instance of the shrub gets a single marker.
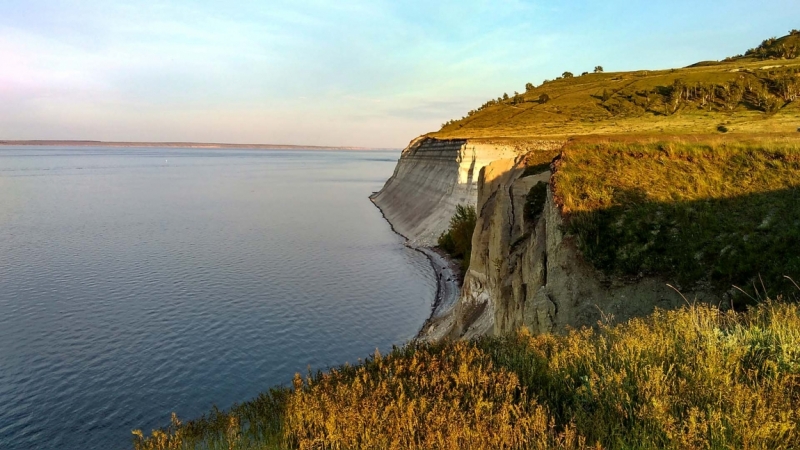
(534, 202)
(457, 240)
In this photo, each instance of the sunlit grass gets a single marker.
(693, 378)
(710, 211)
(637, 102)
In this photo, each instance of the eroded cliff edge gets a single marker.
(524, 270)
(432, 177)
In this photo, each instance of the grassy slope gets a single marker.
(693, 378)
(717, 210)
(577, 107)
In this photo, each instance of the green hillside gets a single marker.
(707, 212)
(744, 94)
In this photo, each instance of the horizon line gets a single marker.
(184, 144)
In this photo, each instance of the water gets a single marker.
(137, 282)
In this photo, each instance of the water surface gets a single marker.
(136, 282)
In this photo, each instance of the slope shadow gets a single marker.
(750, 241)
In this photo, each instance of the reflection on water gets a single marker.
(136, 282)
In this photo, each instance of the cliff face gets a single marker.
(524, 271)
(432, 177)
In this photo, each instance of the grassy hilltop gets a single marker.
(689, 174)
(744, 94)
(692, 174)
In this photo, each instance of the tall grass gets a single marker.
(692, 378)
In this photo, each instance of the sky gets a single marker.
(344, 73)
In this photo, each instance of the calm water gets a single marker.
(136, 282)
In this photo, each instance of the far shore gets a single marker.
(211, 145)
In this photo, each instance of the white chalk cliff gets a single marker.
(523, 272)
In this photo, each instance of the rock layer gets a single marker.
(524, 271)
(432, 177)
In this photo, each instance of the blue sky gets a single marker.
(369, 73)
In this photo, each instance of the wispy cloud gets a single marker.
(348, 72)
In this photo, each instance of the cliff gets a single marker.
(431, 178)
(524, 270)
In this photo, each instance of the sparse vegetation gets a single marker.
(457, 241)
(692, 378)
(774, 48)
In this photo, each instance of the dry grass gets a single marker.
(692, 378)
(637, 102)
(441, 397)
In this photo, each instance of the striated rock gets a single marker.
(432, 177)
(524, 271)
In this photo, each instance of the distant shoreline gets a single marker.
(210, 145)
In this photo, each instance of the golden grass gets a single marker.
(637, 102)
(447, 397)
(692, 378)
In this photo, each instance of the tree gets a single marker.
(529, 87)
(567, 75)
(584, 74)
(505, 96)
(598, 69)
(544, 98)
(731, 94)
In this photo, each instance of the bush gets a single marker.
(457, 241)
(534, 202)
